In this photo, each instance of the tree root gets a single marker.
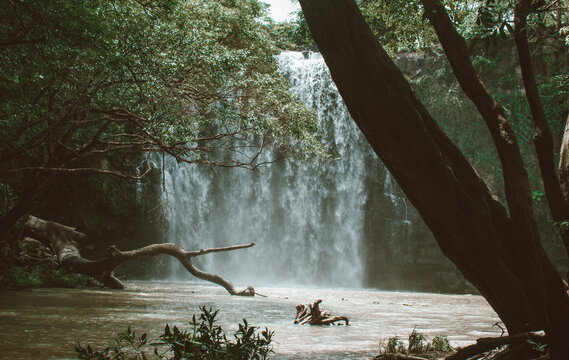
(505, 347)
(67, 243)
(312, 315)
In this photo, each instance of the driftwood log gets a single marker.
(313, 315)
(67, 244)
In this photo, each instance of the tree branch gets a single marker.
(80, 170)
(515, 177)
(67, 243)
(220, 249)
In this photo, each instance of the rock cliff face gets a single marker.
(112, 211)
(401, 253)
(420, 264)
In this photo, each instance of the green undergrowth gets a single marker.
(42, 275)
(416, 345)
(203, 340)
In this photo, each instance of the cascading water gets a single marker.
(305, 218)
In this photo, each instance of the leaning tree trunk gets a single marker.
(499, 251)
(67, 243)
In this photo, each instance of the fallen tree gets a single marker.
(67, 244)
(313, 315)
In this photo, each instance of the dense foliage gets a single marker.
(439, 90)
(488, 27)
(204, 340)
(293, 35)
(39, 275)
(84, 80)
(403, 25)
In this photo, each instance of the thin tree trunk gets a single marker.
(564, 162)
(543, 139)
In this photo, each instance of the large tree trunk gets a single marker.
(67, 243)
(498, 250)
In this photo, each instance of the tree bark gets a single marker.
(543, 138)
(499, 251)
(564, 162)
(485, 344)
(67, 243)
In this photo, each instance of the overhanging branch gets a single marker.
(67, 243)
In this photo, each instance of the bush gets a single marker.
(43, 274)
(440, 343)
(417, 342)
(20, 278)
(393, 346)
(204, 340)
(417, 345)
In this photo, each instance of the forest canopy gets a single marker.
(84, 80)
(403, 25)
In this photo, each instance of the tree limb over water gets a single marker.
(67, 243)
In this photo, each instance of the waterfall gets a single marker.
(306, 219)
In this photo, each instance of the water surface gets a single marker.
(46, 323)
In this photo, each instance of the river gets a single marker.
(47, 323)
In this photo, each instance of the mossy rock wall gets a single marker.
(113, 211)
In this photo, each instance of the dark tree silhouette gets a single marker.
(497, 248)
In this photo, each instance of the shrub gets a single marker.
(417, 345)
(440, 343)
(21, 278)
(393, 345)
(203, 340)
(417, 342)
(44, 274)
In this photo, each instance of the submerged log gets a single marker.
(67, 244)
(313, 315)
(399, 357)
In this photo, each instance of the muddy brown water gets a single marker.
(47, 323)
